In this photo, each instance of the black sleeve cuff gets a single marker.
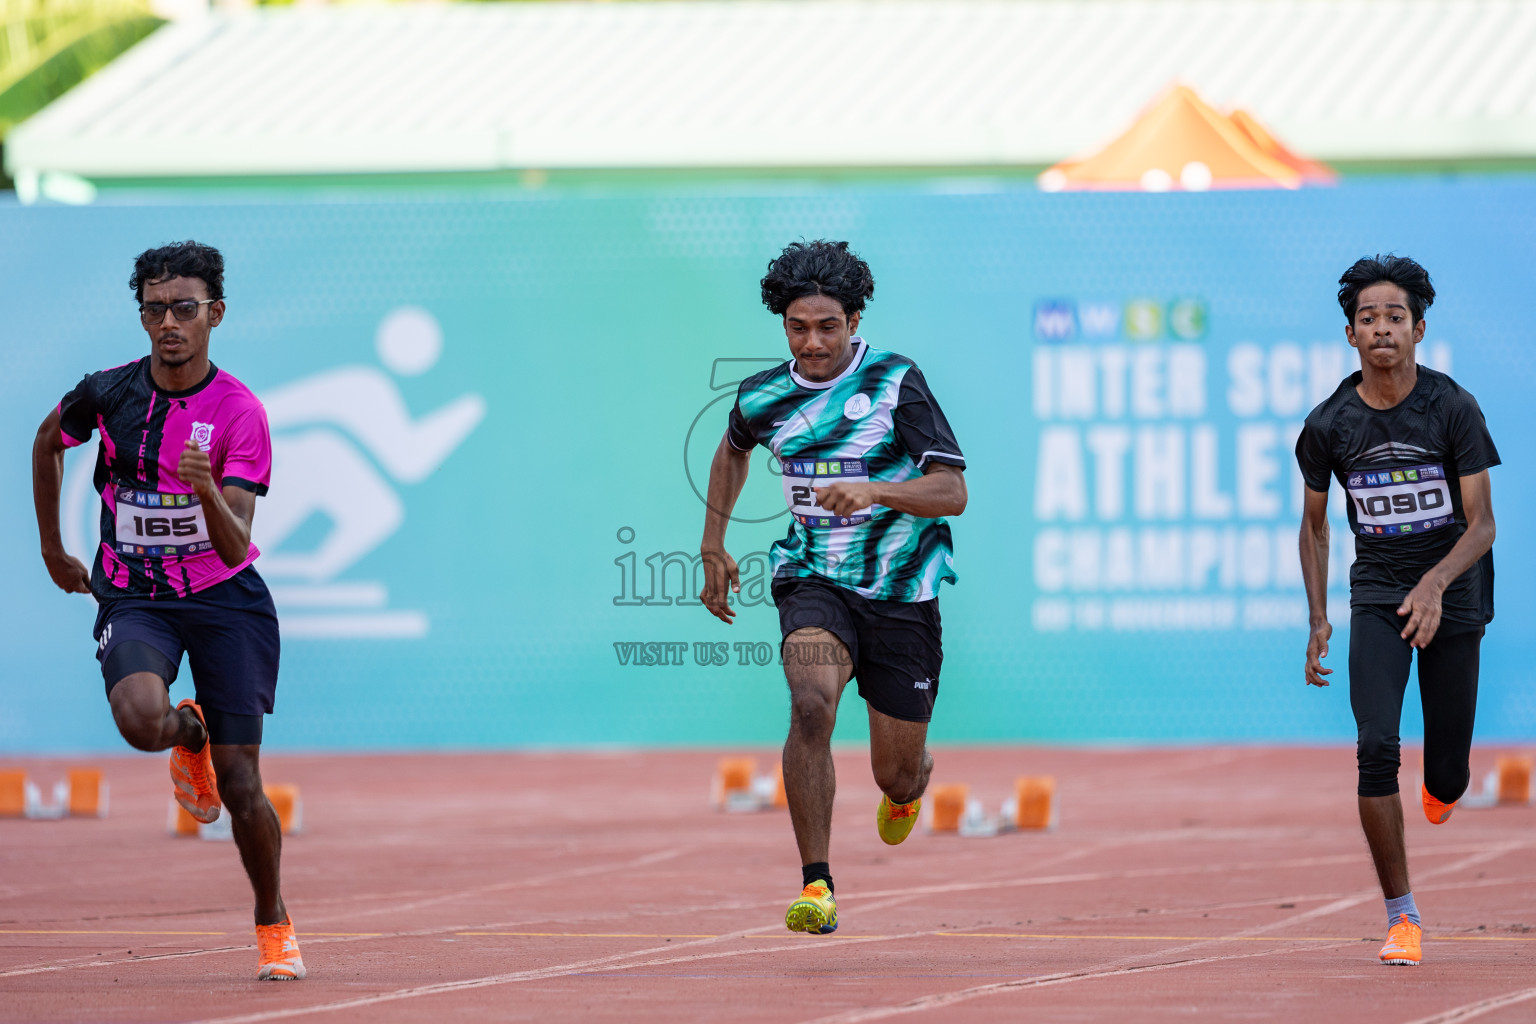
(245, 485)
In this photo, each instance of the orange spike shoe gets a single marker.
(280, 959)
(192, 774)
(1437, 812)
(1403, 943)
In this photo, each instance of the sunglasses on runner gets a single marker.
(153, 313)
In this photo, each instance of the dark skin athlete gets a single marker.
(820, 338)
(1386, 336)
(141, 705)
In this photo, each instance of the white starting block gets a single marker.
(83, 794)
(286, 801)
(1509, 783)
(737, 787)
(1032, 808)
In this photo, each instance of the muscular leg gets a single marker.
(817, 667)
(1448, 688)
(257, 833)
(1381, 817)
(900, 759)
(141, 707)
(1379, 660)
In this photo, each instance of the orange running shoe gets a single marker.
(1403, 943)
(1437, 812)
(894, 821)
(192, 774)
(280, 960)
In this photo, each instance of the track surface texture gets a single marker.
(1214, 884)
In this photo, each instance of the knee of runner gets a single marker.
(240, 790)
(139, 726)
(1446, 781)
(902, 784)
(1379, 759)
(812, 711)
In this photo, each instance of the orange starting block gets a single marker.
(82, 794)
(1032, 808)
(1508, 783)
(948, 803)
(88, 793)
(737, 786)
(13, 793)
(1514, 778)
(285, 799)
(289, 806)
(1034, 803)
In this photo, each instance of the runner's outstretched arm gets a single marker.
(1422, 605)
(1314, 573)
(229, 509)
(69, 573)
(727, 476)
(940, 491)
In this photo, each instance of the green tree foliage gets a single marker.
(47, 47)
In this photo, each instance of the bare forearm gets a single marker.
(727, 476)
(227, 529)
(47, 479)
(930, 496)
(1472, 545)
(1314, 568)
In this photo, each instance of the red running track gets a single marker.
(1183, 884)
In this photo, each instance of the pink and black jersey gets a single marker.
(154, 537)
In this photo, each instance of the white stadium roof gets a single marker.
(792, 83)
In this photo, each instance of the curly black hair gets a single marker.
(1398, 270)
(817, 268)
(179, 259)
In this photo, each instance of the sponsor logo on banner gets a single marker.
(1062, 320)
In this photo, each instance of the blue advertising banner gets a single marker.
(493, 417)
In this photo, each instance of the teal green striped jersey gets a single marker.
(877, 420)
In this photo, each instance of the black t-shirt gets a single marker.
(1400, 469)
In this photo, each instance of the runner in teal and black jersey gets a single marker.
(870, 467)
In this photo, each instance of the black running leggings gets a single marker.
(1378, 676)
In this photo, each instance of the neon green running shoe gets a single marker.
(894, 821)
(815, 911)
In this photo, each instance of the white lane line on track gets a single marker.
(1474, 1010)
(607, 963)
(899, 896)
(618, 962)
(943, 999)
(642, 861)
(1129, 964)
(1246, 867)
(657, 857)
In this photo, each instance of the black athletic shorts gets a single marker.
(229, 635)
(895, 645)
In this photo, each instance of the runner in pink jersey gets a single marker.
(184, 455)
(154, 540)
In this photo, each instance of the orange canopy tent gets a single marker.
(1182, 142)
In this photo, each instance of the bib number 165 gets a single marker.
(165, 526)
